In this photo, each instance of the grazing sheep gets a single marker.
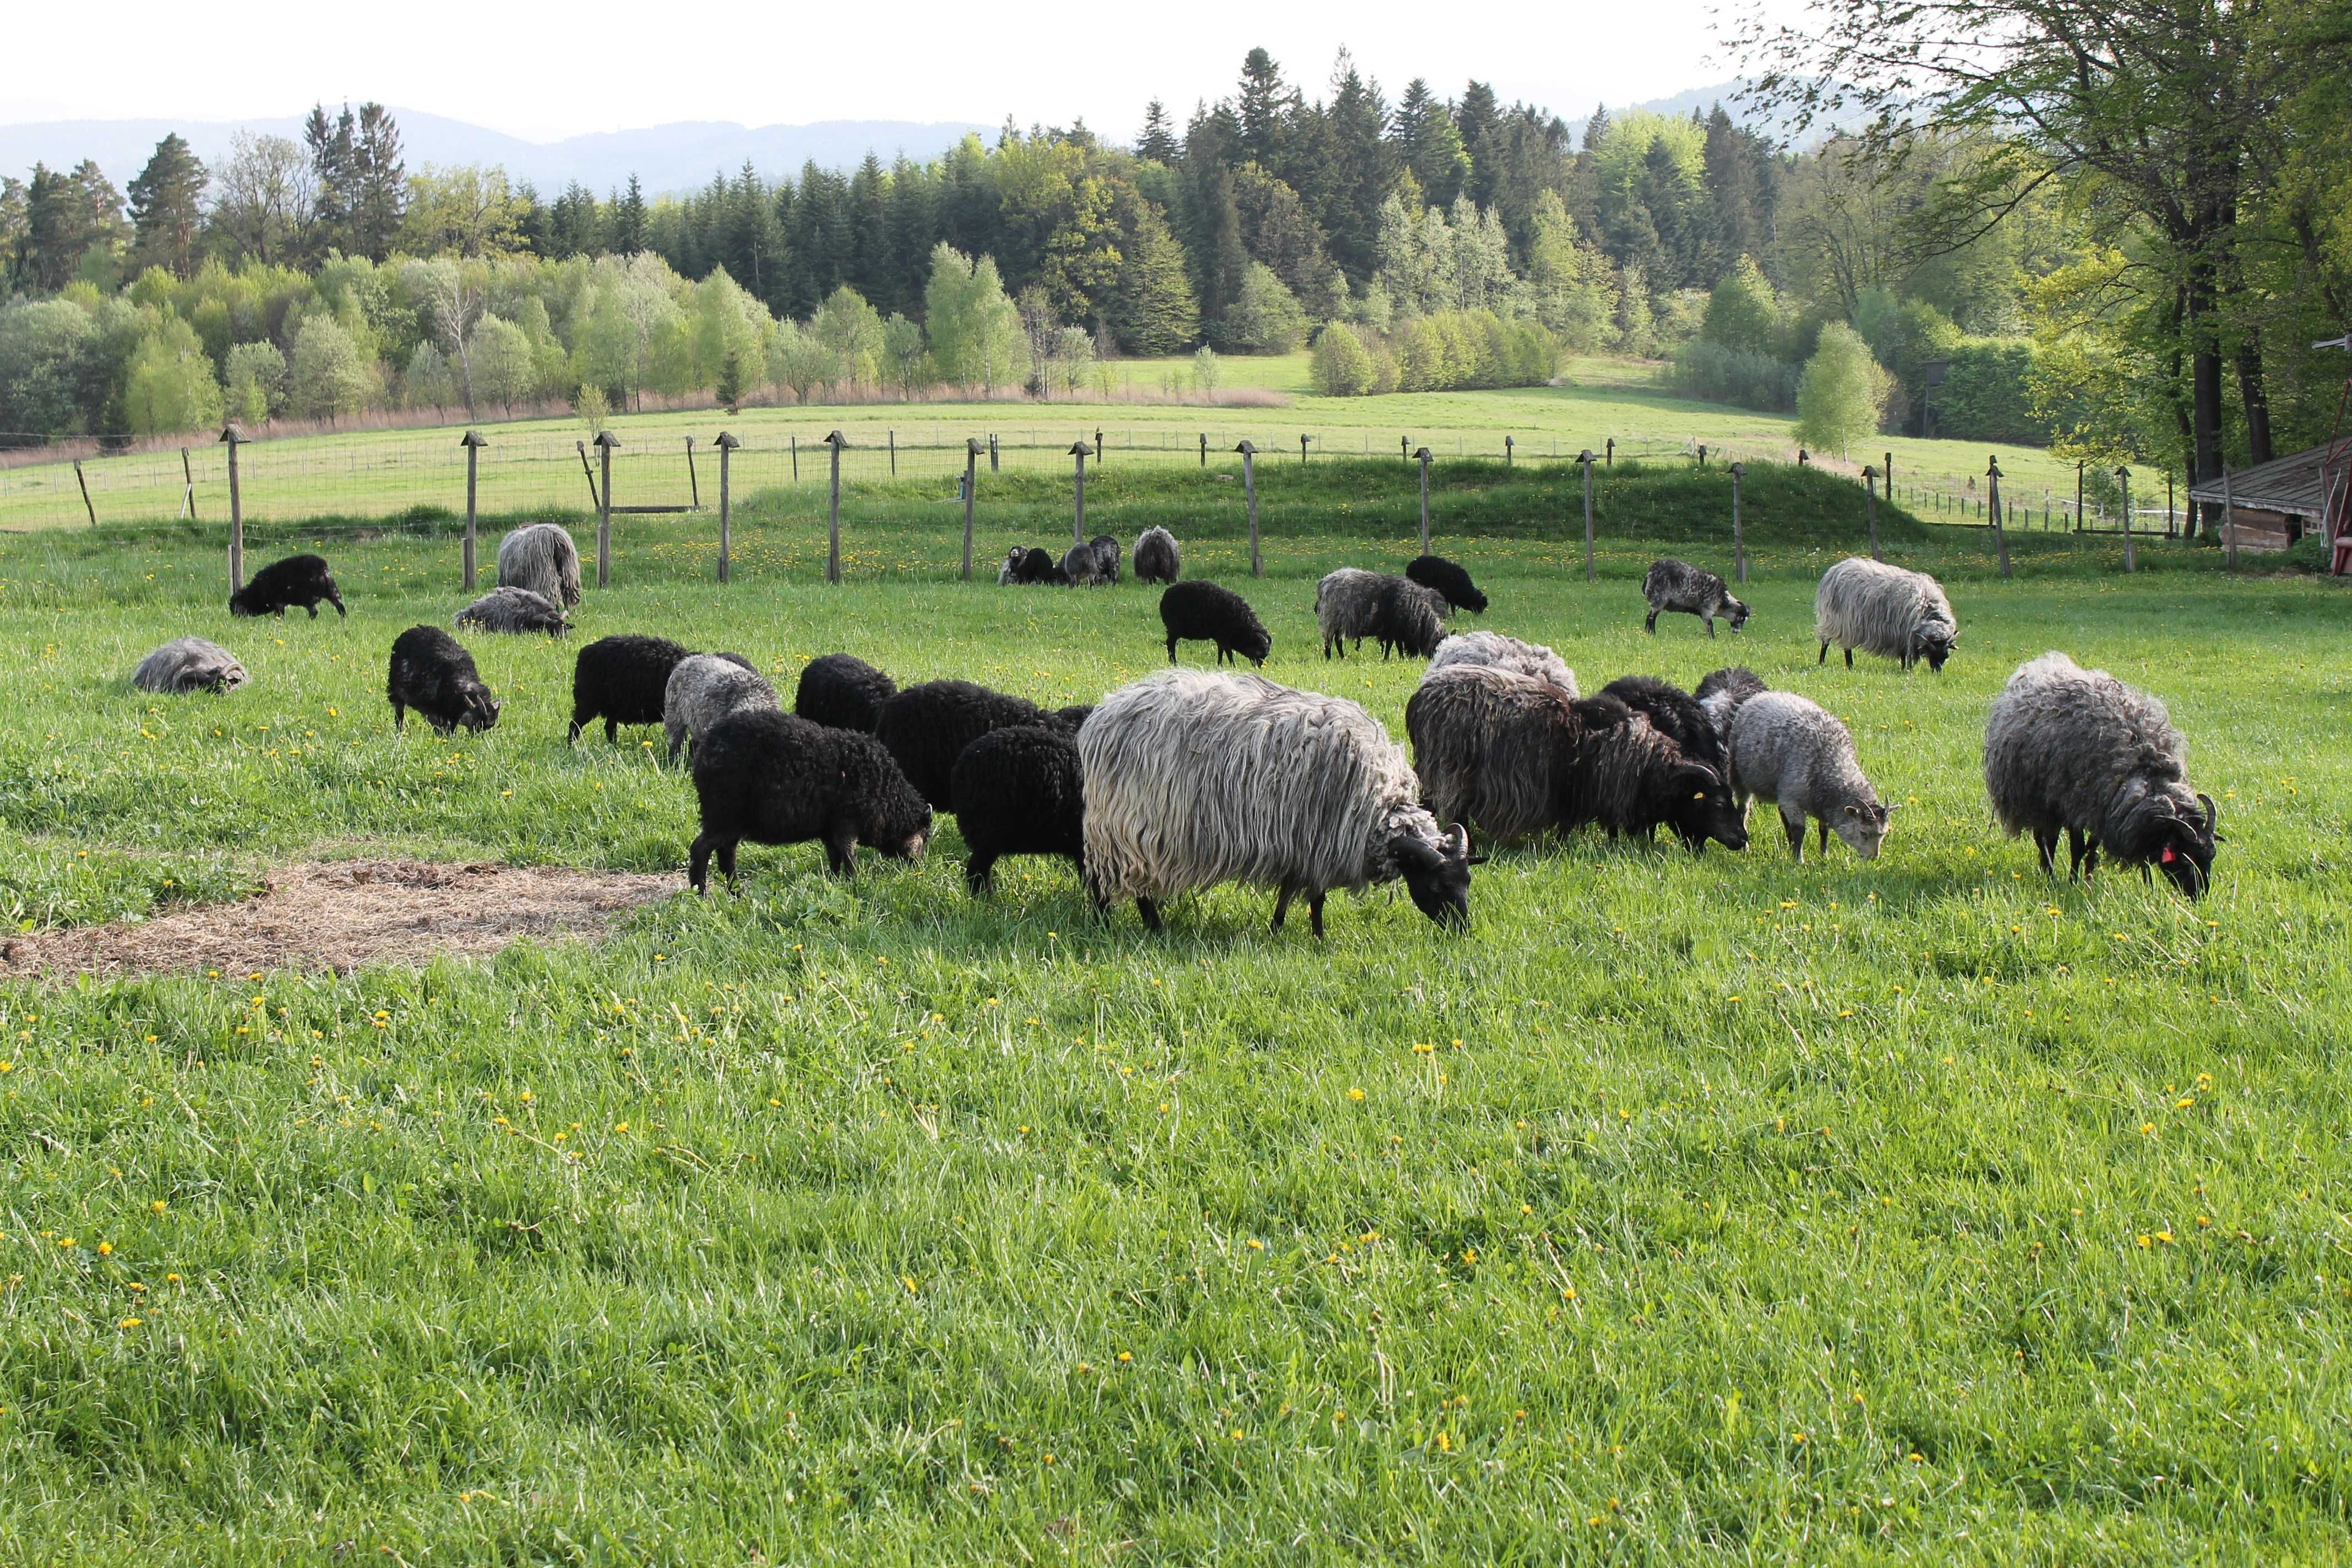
(1070, 718)
(1672, 711)
(1157, 558)
(1083, 567)
(773, 778)
(1024, 566)
(2077, 749)
(1504, 653)
(301, 580)
(705, 688)
(1200, 611)
(1681, 587)
(514, 610)
(1868, 605)
(1514, 755)
(433, 673)
(189, 664)
(1018, 791)
(1194, 778)
(1400, 614)
(623, 680)
(1106, 558)
(541, 556)
(1449, 581)
(1722, 693)
(926, 727)
(843, 692)
(1792, 753)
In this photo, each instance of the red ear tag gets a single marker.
(2167, 855)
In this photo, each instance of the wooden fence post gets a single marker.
(1738, 544)
(1205, 448)
(606, 442)
(1249, 490)
(1890, 479)
(1870, 504)
(693, 484)
(971, 490)
(587, 473)
(797, 459)
(1078, 514)
(473, 443)
(235, 437)
(726, 445)
(188, 480)
(1507, 459)
(1613, 452)
(894, 454)
(1423, 454)
(2131, 551)
(836, 441)
(2078, 495)
(1099, 446)
(86, 503)
(1585, 458)
(1302, 448)
(1992, 509)
(1702, 455)
(996, 459)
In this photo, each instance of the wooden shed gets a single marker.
(2274, 504)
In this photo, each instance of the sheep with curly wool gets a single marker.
(189, 664)
(514, 610)
(704, 689)
(1882, 609)
(622, 680)
(926, 727)
(301, 580)
(768, 777)
(1674, 712)
(1401, 616)
(1024, 566)
(1449, 580)
(1201, 611)
(1019, 791)
(541, 556)
(1504, 653)
(1514, 755)
(1800, 757)
(1685, 589)
(432, 672)
(2077, 749)
(843, 692)
(1156, 557)
(1194, 778)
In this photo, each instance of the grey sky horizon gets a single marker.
(602, 67)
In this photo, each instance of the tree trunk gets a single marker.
(2256, 398)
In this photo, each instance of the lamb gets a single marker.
(514, 610)
(773, 778)
(1449, 581)
(1200, 611)
(705, 687)
(1400, 614)
(1789, 751)
(1672, 711)
(623, 680)
(541, 557)
(1106, 558)
(189, 664)
(301, 580)
(1514, 755)
(1018, 791)
(433, 673)
(1504, 653)
(1157, 558)
(926, 727)
(1194, 778)
(1722, 693)
(1083, 567)
(2077, 749)
(1681, 587)
(1882, 609)
(843, 692)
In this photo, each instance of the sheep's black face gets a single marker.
(1256, 646)
(2186, 857)
(481, 710)
(1475, 602)
(1735, 613)
(1934, 648)
(1703, 809)
(903, 830)
(1437, 878)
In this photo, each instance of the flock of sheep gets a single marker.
(1190, 778)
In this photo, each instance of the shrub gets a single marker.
(1342, 366)
(1266, 318)
(1985, 397)
(1842, 394)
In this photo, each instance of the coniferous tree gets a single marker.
(1429, 143)
(1359, 171)
(330, 142)
(1476, 118)
(624, 220)
(166, 207)
(1157, 142)
(1154, 311)
(1265, 106)
(379, 198)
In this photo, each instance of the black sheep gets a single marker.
(622, 680)
(433, 673)
(1450, 580)
(1070, 718)
(301, 580)
(926, 727)
(1197, 611)
(843, 692)
(1672, 711)
(1027, 564)
(1018, 791)
(773, 778)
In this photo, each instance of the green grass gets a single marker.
(1729, 1210)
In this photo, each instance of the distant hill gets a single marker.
(667, 158)
(1704, 100)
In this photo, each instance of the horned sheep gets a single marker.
(541, 556)
(1882, 609)
(189, 664)
(2077, 749)
(1685, 589)
(704, 689)
(773, 778)
(1449, 580)
(1792, 753)
(1400, 615)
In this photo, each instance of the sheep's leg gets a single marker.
(978, 873)
(1710, 627)
(337, 600)
(1826, 654)
(1150, 913)
(727, 860)
(1282, 905)
(2073, 854)
(313, 607)
(698, 864)
(1825, 836)
(1315, 914)
(1649, 624)
(399, 715)
(612, 732)
(2045, 843)
(1795, 829)
(675, 732)
(1171, 647)
(2090, 860)
(1849, 659)
(841, 849)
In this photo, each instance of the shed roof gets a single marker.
(2292, 484)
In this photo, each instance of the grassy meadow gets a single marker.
(1685, 1209)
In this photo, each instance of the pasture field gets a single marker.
(1685, 1209)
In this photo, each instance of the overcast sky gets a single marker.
(545, 71)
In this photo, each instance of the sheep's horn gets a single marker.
(2207, 802)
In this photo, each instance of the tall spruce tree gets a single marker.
(1429, 143)
(625, 219)
(380, 184)
(1157, 142)
(1358, 166)
(167, 207)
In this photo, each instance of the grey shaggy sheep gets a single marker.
(1868, 605)
(540, 557)
(1500, 652)
(1799, 756)
(1722, 693)
(2077, 749)
(1400, 615)
(1685, 589)
(189, 664)
(514, 610)
(1157, 558)
(1083, 566)
(1106, 557)
(705, 687)
(1194, 778)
